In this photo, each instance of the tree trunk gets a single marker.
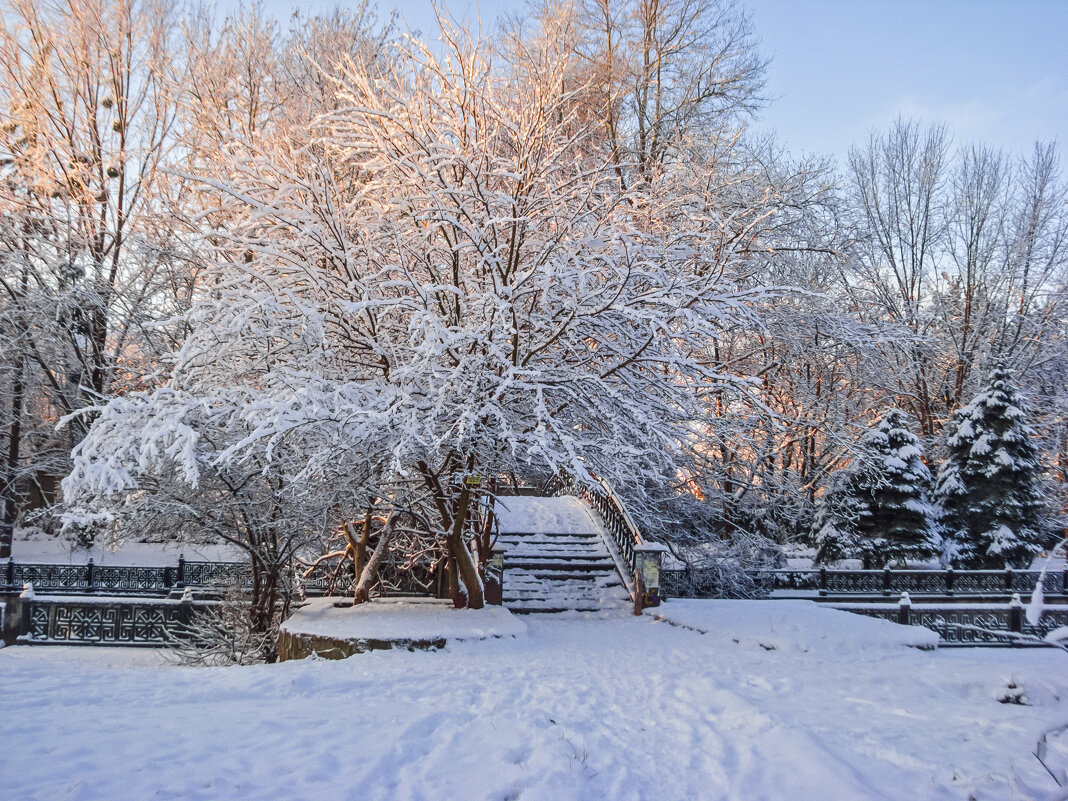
(14, 441)
(367, 575)
(468, 569)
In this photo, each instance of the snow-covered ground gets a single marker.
(32, 545)
(402, 619)
(776, 701)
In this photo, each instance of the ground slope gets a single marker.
(580, 707)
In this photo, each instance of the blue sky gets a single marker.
(993, 70)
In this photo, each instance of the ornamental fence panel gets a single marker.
(117, 579)
(970, 624)
(111, 621)
(719, 582)
(395, 578)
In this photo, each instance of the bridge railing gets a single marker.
(619, 524)
(641, 568)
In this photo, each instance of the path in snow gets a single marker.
(577, 708)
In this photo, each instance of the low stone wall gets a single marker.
(301, 646)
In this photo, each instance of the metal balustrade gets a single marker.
(613, 514)
(136, 580)
(827, 582)
(969, 624)
(117, 579)
(108, 621)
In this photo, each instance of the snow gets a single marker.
(407, 619)
(34, 546)
(1055, 754)
(582, 707)
(531, 515)
(791, 624)
(1037, 605)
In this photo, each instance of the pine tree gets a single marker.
(987, 493)
(877, 509)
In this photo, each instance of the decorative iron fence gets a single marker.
(117, 579)
(394, 578)
(827, 582)
(107, 621)
(969, 624)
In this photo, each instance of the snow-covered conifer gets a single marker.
(877, 509)
(987, 491)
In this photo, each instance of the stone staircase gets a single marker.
(558, 558)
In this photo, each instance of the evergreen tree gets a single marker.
(991, 510)
(877, 509)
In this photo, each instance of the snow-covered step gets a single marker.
(558, 556)
(561, 562)
(583, 586)
(526, 546)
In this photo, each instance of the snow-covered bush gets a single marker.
(737, 567)
(224, 634)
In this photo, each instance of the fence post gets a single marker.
(495, 575)
(1064, 579)
(89, 571)
(11, 572)
(904, 610)
(823, 581)
(1015, 615)
(647, 563)
(949, 580)
(886, 581)
(1008, 578)
(181, 571)
(26, 597)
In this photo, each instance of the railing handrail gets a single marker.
(624, 531)
(621, 510)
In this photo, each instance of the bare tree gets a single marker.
(92, 257)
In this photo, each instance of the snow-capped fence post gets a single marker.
(180, 582)
(15, 618)
(1015, 614)
(904, 610)
(21, 616)
(89, 575)
(949, 580)
(185, 606)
